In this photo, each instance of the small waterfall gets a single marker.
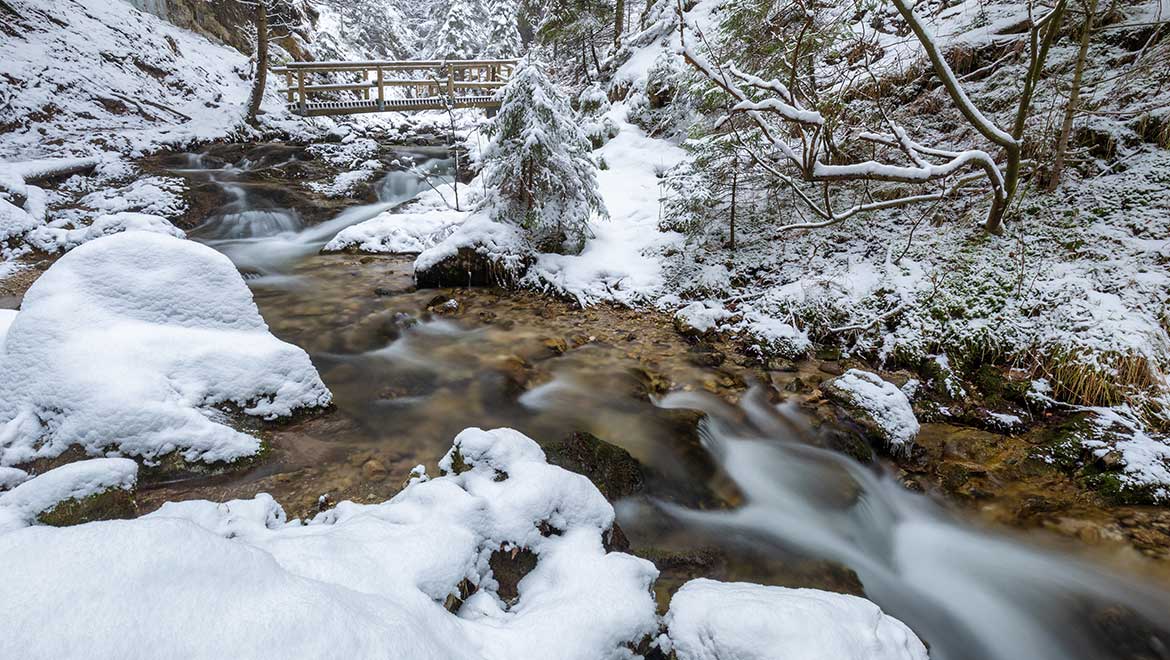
(259, 237)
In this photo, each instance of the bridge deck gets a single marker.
(464, 83)
(356, 106)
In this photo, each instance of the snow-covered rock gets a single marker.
(200, 579)
(398, 233)
(711, 620)
(128, 342)
(700, 318)
(11, 477)
(883, 408)
(7, 316)
(480, 252)
(74, 481)
(53, 239)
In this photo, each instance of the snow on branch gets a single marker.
(810, 134)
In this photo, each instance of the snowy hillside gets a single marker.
(89, 75)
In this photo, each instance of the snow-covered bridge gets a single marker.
(312, 88)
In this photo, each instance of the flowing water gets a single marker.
(406, 380)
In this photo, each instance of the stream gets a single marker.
(407, 379)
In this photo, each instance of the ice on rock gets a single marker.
(128, 342)
(711, 620)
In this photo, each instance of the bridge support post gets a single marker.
(301, 91)
(381, 91)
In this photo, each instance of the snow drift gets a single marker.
(127, 343)
(409, 578)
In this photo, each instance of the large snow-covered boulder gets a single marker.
(879, 406)
(711, 620)
(128, 343)
(201, 579)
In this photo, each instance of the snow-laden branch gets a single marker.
(966, 106)
(810, 130)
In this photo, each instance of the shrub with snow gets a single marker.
(539, 171)
(129, 342)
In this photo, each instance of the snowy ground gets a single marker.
(411, 577)
(622, 262)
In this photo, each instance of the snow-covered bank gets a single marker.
(91, 75)
(622, 261)
(414, 577)
(131, 343)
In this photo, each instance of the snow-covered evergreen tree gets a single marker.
(539, 170)
(461, 34)
(503, 38)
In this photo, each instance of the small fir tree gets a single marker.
(539, 170)
(460, 36)
(503, 38)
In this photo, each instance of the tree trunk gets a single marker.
(619, 17)
(1074, 97)
(734, 190)
(260, 79)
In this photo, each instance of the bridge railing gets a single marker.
(430, 83)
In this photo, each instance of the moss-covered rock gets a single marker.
(612, 469)
(468, 267)
(113, 504)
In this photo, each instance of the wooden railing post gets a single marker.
(381, 91)
(451, 82)
(288, 86)
(301, 90)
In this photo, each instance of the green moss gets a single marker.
(113, 504)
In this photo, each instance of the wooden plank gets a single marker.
(339, 87)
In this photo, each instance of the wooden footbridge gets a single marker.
(312, 88)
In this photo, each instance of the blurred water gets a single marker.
(971, 593)
(264, 239)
